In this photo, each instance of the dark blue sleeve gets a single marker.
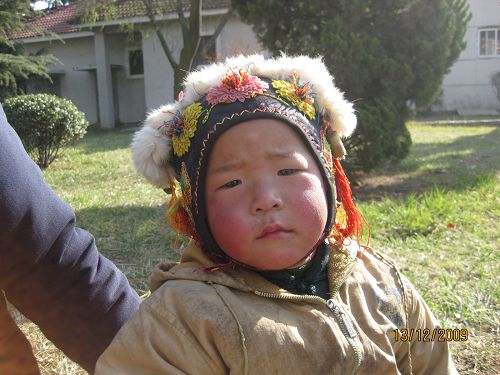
(50, 269)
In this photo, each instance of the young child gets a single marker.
(273, 281)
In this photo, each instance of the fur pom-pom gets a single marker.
(151, 148)
(338, 149)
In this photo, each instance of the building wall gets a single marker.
(133, 96)
(77, 86)
(468, 88)
(77, 76)
(238, 37)
(129, 91)
(158, 74)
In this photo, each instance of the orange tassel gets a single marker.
(180, 222)
(353, 224)
(177, 216)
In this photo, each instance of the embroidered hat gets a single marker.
(172, 148)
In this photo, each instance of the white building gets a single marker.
(468, 88)
(114, 78)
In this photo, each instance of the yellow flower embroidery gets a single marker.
(299, 95)
(181, 139)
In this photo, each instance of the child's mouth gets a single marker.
(274, 231)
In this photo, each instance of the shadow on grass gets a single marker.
(102, 140)
(482, 149)
(454, 166)
(135, 238)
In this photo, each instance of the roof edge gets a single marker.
(55, 38)
(145, 19)
(134, 20)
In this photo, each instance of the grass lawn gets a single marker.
(436, 213)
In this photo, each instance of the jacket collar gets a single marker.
(194, 261)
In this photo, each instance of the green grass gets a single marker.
(125, 213)
(436, 213)
(454, 117)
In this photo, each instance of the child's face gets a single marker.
(266, 204)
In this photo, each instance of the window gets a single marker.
(489, 42)
(135, 62)
(206, 51)
(42, 85)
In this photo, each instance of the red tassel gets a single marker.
(354, 225)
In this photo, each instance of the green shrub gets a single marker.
(45, 123)
(374, 49)
(381, 135)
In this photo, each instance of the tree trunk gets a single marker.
(190, 48)
(190, 38)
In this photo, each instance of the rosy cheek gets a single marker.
(226, 224)
(312, 204)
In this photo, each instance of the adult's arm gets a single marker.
(50, 269)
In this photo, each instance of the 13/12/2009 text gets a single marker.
(430, 335)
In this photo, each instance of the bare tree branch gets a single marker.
(191, 44)
(218, 30)
(190, 27)
(182, 20)
(161, 37)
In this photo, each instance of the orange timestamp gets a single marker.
(431, 335)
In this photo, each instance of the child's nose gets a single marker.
(265, 199)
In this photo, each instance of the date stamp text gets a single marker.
(431, 335)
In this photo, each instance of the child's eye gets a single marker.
(287, 172)
(231, 184)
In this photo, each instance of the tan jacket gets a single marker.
(234, 321)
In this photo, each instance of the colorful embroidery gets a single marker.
(326, 148)
(327, 153)
(181, 128)
(179, 211)
(300, 95)
(236, 85)
(185, 183)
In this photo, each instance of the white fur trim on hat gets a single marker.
(329, 99)
(151, 149)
